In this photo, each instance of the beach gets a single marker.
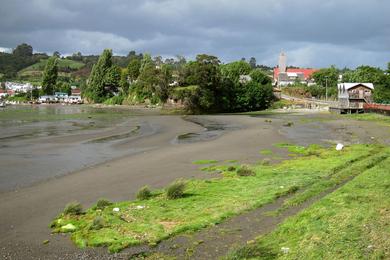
(140, 148)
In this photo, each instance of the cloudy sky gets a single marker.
(313, 33)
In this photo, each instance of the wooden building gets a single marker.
(353, 96)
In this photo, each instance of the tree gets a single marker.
(57, 54)
(204, 73)
(103, 79)
(50, 75)
(64, 87)
(365, 74)
(326, 77)
(23, 50)
(133, 69)
(257, 96)
(164, 79)
(260, 77)
(235, 69)
(252, 62)
(112, 79)
(124, 82)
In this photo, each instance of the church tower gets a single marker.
(282, 62)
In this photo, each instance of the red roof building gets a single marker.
(306, 72)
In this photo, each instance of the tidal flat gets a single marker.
(126, 149)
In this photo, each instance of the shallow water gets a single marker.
(42, 142)
(212, 130)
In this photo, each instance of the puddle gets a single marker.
(212, 130)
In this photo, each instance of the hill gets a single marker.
(33, 73)
(63, 64)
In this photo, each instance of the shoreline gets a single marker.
(25, 214)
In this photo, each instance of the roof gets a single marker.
(349, 85)
(306, 72)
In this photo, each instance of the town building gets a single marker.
(76, 92)
(354, 95)
(284, 76)
(18, 87)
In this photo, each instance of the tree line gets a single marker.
(203, 85)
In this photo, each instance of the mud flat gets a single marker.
(115, 159)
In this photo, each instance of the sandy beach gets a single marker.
(153, 156)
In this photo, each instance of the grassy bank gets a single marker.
(351, 223)
(372, 117)
(207, 202)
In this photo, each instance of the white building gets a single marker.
(18, 87)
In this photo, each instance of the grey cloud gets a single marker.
(312, 32)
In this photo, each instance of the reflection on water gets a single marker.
(41, 142)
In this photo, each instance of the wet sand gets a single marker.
(27, 212)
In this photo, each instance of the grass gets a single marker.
(207, 202)
(73, 208)
(62, 63)
(372, 117)
(350, 223)
(200, 162)
(265, 152)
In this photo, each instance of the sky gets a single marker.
(312, 33)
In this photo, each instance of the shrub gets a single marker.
(176, 190)
(73, 208)
(98, 223)
(231, 168)
(265, 162)
(144, 193)
(102, 203)
(288, 124)
(245, 171)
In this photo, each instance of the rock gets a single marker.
(115, 209)
(140, 207)
(68, 228)
(339, 147)
(285, 250)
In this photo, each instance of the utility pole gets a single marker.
(326, 88)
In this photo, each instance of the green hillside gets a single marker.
(34, 72)
(62, 64)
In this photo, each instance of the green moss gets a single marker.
(204, 161)
(265, 152)
(208, 202)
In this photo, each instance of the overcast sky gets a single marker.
(313, 33)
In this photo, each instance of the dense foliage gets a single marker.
(50, 74)
(104, 79)
(21, 57)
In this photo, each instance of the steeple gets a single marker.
(282, 62)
